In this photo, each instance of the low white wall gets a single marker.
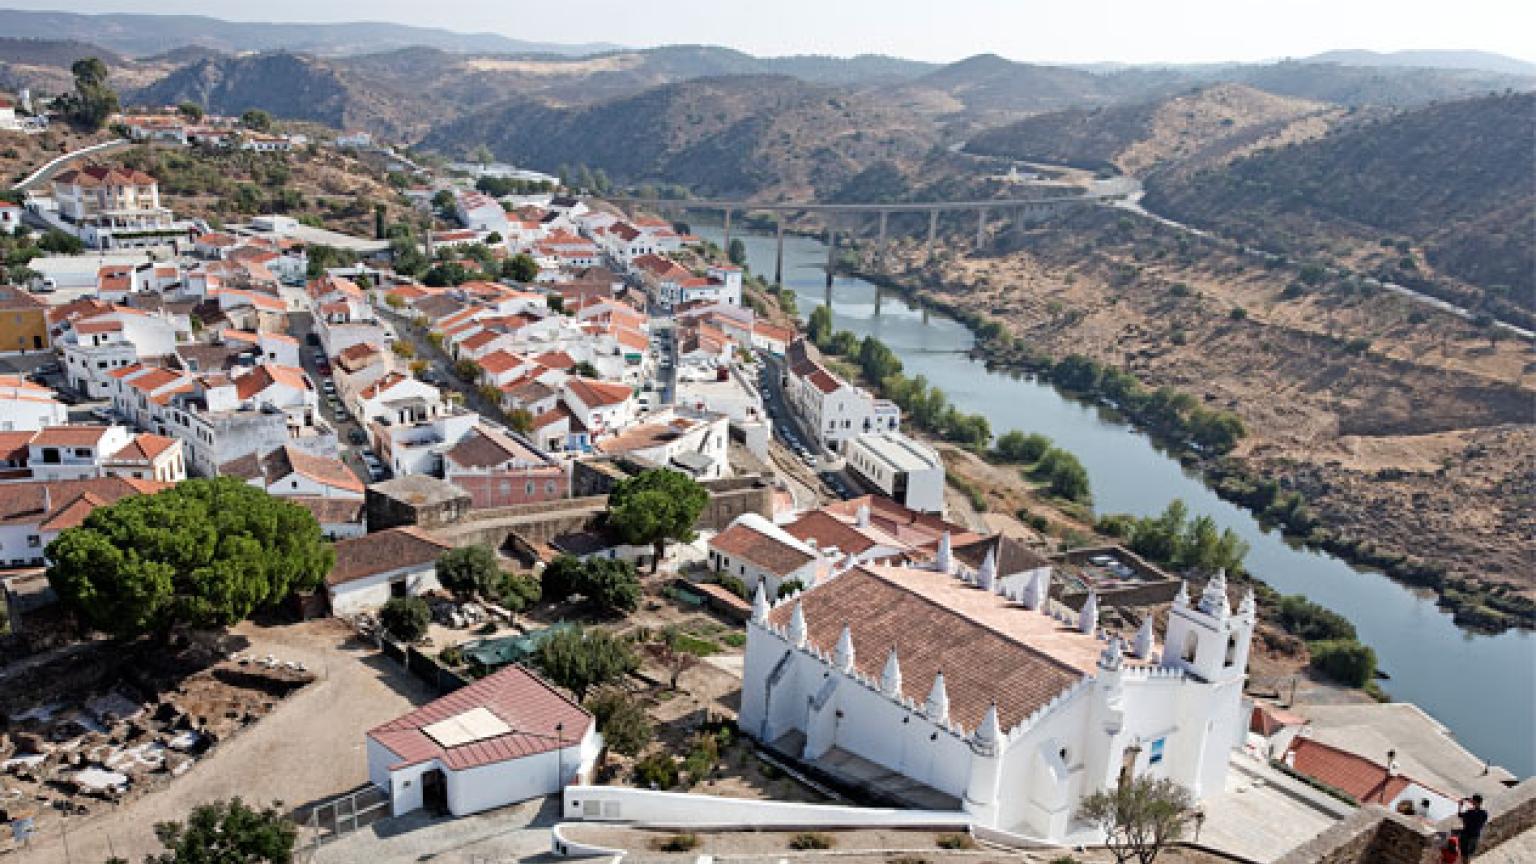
(619, 804)
(560, 845)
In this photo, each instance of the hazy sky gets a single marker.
(1058, 30)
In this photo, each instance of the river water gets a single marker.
(1482, 687)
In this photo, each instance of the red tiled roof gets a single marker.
(70, 436)
(382, 552)
(770, 553)
(267, 374)
(497, 362)
(982, 659)
(598, 393)
(520, 699)
(332, 472)
(1364, 780)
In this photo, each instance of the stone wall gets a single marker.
(1375, 835)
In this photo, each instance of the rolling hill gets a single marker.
(1480, 61)
(1207, 125)
(145, 35)
(737, 135)
(1456, 178)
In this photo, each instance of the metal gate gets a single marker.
(344, 814)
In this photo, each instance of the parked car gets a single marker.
(49, 369)
(357, 436)
(105, 415)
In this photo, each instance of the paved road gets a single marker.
(53, 166)
(300, 326)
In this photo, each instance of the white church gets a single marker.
(991, 694)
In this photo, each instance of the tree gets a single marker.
(406, 618)
(521, 420)
(737, 252)
(443, 201)
(256, 120)
(520, 268)
(1139, 817)
(58, 242)
(469, 570)
(669, 653)
(93, 101)
(517, 591)
(579, 659)
(227, 832)
(1344, 660)
(622, 721)
(818, 328)
(1015, 446)
(205, 553)
(609, 585)
(483, 156)
(190, 110)
(655, 506)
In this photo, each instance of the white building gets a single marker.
(505, 738)
(759, 552)
(1012, 708)
(602, 407)
(85, 451)
(114, 208)
(25, 406)
(95, 346)
(900, 468)
(10, 217)
(832, 409)
(399, 562)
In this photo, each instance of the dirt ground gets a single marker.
(21, 154)
(1402, 424)
(310, 748)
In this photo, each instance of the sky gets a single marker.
(1068, 31)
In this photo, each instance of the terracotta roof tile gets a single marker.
(382, 552)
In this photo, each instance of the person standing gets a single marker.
(1473, 819)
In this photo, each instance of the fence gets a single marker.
(418, 663)
(342, 815)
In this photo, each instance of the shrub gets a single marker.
(807, 841)
(405, 618)
(1344, 660)
(955, 840)
(676, 843)
(734, 640)
(1015, 446)
(1312, 622)
(622, 721)
(734, 585)
(658, 771)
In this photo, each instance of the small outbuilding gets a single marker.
(506, 738)
(400, 562)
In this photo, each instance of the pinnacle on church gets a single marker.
(760, 604)
(797, 628)
(1088, 619)
(990, 730)
(843, 657)
(1144, 639)
(1181, 599)
(1213, 600)
(1113, 655)
(1249, 608)
(986, 577)
(943, 560)
(890, 679)
(937, 706)
(1038, 592)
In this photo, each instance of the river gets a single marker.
(1482, 687)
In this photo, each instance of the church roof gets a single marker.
(988, 648)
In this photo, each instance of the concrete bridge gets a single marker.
(1019, 211)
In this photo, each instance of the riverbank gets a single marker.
(1430, 495)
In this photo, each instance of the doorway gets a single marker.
(434, 792)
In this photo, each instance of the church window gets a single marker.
(1231, 650)
(1191, 642)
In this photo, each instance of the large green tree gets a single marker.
(579, 659)
(469, 570)
(612, 586)
(656, 506)
(205, 553)
(93, 100)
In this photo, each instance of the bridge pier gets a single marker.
(831, 257)
(981, 228)
(880, 245)
(933, 231)
(778, 253)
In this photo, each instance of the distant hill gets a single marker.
(1375, 85)
(1479, 61)
(737, 135)
(1207, 124)
(1456, 178)
(146, 35)
(287, 86)
(990, 87)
